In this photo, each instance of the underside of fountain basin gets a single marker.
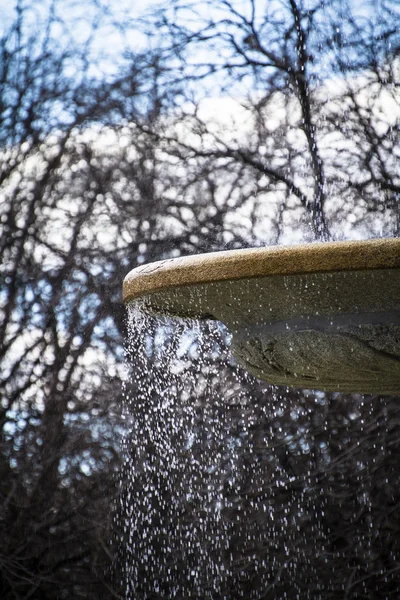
(323, 316)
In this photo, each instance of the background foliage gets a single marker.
(199, 127)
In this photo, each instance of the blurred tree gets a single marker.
(60, 351)
(103, 170)
(293, 109)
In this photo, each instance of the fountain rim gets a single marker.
(249, 263)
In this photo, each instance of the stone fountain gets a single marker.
(322, 316)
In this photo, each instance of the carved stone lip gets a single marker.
(323, 316)
(317, 323)
(248, 263)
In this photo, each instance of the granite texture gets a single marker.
(323, 316)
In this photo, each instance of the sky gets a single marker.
(76, 20)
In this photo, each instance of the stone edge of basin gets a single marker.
(325, 257)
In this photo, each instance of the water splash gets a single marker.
(234, 489)
(173, 505)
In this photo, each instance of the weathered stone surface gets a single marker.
(323, 316)
(332, 360)
(261, 262)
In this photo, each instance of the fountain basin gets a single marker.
(323, 316)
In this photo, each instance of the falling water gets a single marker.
(234, 489)
(174, 526)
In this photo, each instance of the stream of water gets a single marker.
(235, 489)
